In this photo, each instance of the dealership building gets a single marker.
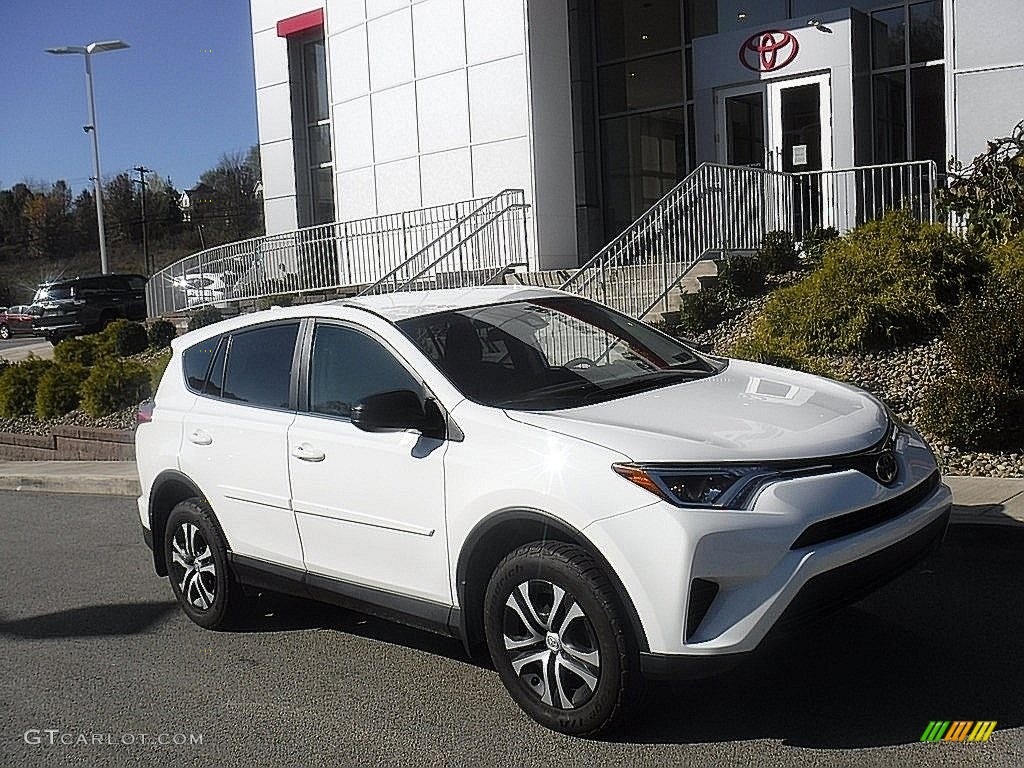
(596, 108)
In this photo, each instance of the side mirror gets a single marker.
(401, 409)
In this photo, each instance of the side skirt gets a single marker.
(411, 611)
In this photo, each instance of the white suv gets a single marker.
(594, 501)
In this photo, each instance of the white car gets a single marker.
(523, 469)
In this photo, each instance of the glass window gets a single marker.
(644, 157)
(888, 30)
(259, 366)
(626, 29)
(745, 127)
(349, 366)
(319, 144)
(701, 18)
(927, 87)
(314, 66)
(926, 31)
(890, 102)
(323, 194)
(196, 362)
(650, 82)
(551, 353)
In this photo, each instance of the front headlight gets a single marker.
(698, 486)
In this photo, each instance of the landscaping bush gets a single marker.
(815, 242)
(80, 350)
(742, 276)
(18, 386)
(1008, 261)
(157, 366)
(113, 385)
(203, 317)
(58, 391)
(778, 253)
(784, 353)
(986, 334)
(129, 338)
(702, 310)
(161, 333)
(886, 283)
(975, 412)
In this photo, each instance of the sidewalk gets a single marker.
(978, 500)
(43, 349)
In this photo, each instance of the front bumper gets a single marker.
(57, 327)
(759, 577)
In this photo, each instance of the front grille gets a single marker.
(862, 519)
(832, 590)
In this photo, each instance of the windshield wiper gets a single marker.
(650, 380)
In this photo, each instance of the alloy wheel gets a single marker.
(193, 566)
(551, 644)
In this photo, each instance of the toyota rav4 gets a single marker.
(531, 472)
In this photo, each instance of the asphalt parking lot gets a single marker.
(19, 347)
(93, 649)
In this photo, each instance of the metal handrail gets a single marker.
(722, 208)
(454, 231)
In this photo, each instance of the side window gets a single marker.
(136, 283)
(347, 367)
(196, 362)
(259, 366)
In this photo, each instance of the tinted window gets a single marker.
(259, 366)
(196, 362)
(137, 283)
(216, 377)
(349, 366)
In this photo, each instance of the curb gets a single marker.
(91, 485)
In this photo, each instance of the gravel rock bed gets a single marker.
(30, 425)
(900, 378)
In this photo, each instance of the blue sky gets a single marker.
(175, 101)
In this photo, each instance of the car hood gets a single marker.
(748, 412)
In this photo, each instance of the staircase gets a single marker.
(721, 210)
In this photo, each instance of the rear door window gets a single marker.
(259, 366)
(196, 362)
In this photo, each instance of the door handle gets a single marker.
(307, 452)
(200, 437)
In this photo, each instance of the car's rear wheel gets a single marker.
(197, 567)
(559, 640)
(5, 332)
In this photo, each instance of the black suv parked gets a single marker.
(87, 304)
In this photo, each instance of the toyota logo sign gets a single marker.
(768, 50)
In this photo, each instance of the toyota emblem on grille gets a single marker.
(768, 50)
(886, 467)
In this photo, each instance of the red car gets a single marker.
(17, 320)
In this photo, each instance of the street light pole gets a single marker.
(142, 171)
(86, 51)
(97, 179)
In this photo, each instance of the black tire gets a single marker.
(5, 332)
(551, 689)
(212, 600)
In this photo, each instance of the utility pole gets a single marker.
(142, 171)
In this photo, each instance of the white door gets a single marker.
(235, 440)
(369, 505)
(779, 125)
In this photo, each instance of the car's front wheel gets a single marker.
(559, 639)
(5, 332)
(197, 567)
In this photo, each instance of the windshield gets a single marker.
(51, 293)
(549, 354)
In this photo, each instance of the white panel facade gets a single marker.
(442, 107)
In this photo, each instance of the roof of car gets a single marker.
(405, 304)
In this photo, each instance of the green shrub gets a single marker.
(203, 317)
(113, 385)
(886, 283)
(742, 276)
(1008, 261)
(58, 391)
(975, 412)
(80, 350)
(784, 353)
(702, 310)
(778, 253)
(157, 366)
(18, 386)
(106, 340)
(986, 334)
(161, 333)
(815, 242)
(130, 339)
